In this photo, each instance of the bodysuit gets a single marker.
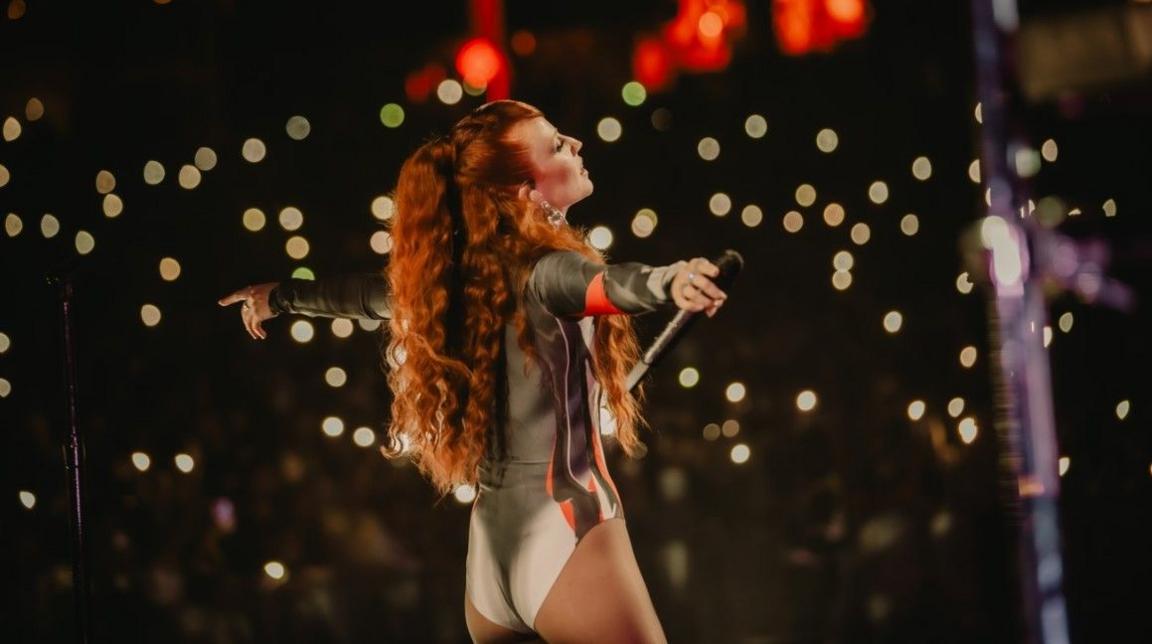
(550, 485)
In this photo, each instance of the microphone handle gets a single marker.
(660, 346)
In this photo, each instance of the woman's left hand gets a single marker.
(255, 308)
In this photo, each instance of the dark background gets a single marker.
(851, 523)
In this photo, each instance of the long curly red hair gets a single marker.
(464, 244)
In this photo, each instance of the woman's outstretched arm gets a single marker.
(358, 296)
(569, 284)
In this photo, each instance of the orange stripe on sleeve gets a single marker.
(596, 300)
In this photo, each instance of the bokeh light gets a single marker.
(27, 499)
(449, 91)
(1110, 208)
(893, 321)
(112, 205)
(302, 331)
(169, 269)
(711, 432)
(291, 218)
(85, 242)
(12, 129)
(968, 357)
(464, 493)
(1122, 409)
(364, 436)
(254, 219)
(332, 426)
(600, 237)
(805, 195)
(827, 140)
(730, 428)
(922, 168)
(963, 284)
(755, 126)
(793, 221)
(298, 128)
(381, 242)
(1065, 322)
(609, 129)
(5, 387)
(383, 207)
(205, 158)
(141, 461)
(735, 392)
(916, 409)
(843, 261)
(184, 462)
(860, 233)
(720, 204)
(13, 224)
(150, 315)
(1049, 151)
(974, 171)
(910, 224)
(5, 175)
(253, 150)
(1063, 464)
(33, 109)
(189, 177)
(342, 327)
(740, 453)
(751, 215)
(968, 430)
(806, 400)
(956, 407)
(392, 115)
(708, 148)
(49, 226)
(834, 214)
(5, 342)
(841, 280)
(105, 182)
(878, 192)
(153, 172)
(634, 93)
(335, 377)
(275, 570)
(689, 377)
(644, 222)
(297, 247)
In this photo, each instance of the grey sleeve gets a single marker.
(562, 281)
(359, 296)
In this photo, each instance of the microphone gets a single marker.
(729, 263)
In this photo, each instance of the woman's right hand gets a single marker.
(692, 290)
(255, 308)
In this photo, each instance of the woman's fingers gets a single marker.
(232, 298)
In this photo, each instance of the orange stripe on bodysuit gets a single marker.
(565, 506)
(596, 300)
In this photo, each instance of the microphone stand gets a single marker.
(74, 461)
(1013, 255)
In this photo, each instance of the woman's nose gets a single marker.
(576, 144)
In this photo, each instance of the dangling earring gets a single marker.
(555, 217)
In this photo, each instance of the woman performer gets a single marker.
(508, 335)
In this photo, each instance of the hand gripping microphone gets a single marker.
(729, 264)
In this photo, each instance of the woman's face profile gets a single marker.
(557, 168)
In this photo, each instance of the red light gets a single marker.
(803, 26)
(478, 62)
(652, 64)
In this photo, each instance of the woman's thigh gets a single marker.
(600, 595)
(485, 631)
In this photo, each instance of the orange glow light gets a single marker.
(478, 62)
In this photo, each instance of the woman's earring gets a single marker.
(555, 217)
